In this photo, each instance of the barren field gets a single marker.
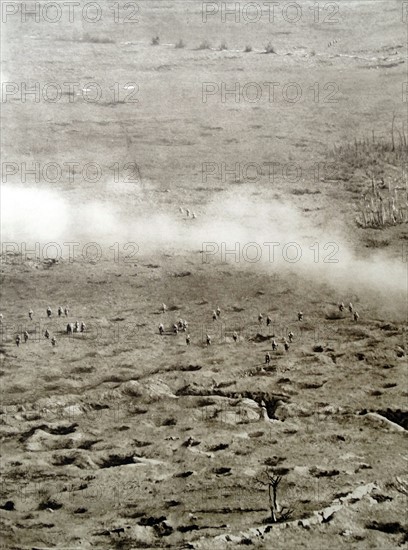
(120, 437)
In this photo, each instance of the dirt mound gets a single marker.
(150, 390)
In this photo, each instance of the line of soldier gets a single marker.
(47, 335)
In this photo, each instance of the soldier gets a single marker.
(180, 323)
(188, 339)
(175, 329)
(286, 345)
(30, 314)
(164, 308)
(82, 327)
(66, 311)
(49, 311)
(187, 212)
(300, 316)
(46, 333)
(18, 340)
(208, 340)
(260, 318)
(214, 315)
(1, 318)
(350, 307)
(341, 306)
(290, 335)
(185, 325)
(161, 328)
(274, 345)
(235, 336)
(59, 311)
(268, 321)
(356, 316)
(76, 326)
(267, 358)
(218, 312)
(26, 336)
(53, 341)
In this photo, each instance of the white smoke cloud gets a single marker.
(232, 221)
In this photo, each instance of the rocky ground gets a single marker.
(144, 442)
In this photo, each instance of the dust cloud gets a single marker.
(239, 229)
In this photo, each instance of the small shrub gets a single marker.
(155, 41)
(305, 191)
(205, 45)
(95, 40)
(180, 44)
(248, 48)
(223, 46)
(269, 48)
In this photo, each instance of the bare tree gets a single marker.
(271, 479)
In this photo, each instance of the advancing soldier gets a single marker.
(300, 316)
(341, 306)
(185, 325)
(164, 308)
(175, 329)
(18, 340)
(30, 314)
(180, 323)
(235, 336)
(66, 311)
(161, 328)
(267, 358)
(46, 333)
(268, 321)
(286, 345)
(214, 315)
(356, 316)
(208, 340)
(260, 318)
(82, 327)
(53, 341)
(49, 311)
(290, 336)
(350, 307)
(274, 345)
(218, 312)
(59, 311)
(26, 336)
(1, 318)
(188, 339)
(76, 326)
